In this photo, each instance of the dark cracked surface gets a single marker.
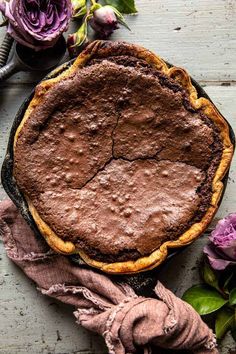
(116, 160)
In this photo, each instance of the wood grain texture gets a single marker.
(196, 34)
(199, 35)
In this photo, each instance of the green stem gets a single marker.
(94, 6)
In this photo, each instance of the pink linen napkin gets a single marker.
(126, 321)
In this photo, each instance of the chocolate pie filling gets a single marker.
(116, 160)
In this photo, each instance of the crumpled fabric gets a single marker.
(126, 321)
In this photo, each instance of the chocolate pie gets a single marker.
(119, 160)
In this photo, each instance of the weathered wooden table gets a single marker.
(199, 35)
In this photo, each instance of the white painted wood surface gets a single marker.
(199, 35)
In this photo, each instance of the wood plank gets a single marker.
(198, 35)
(37, 324)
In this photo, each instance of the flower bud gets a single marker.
(104, 21)
(71, 40)
(77, 39)
(105, 16)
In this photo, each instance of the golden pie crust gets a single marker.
(105, 49)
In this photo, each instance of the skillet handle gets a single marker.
(8, 70)
(5, 49)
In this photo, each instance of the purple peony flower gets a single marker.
(104, 21)
(37, 23)
(221, 252)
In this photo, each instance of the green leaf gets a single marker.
(120, 17)
(232, 297)
(204, 299)
(209, 276)
(77, 4)
(224, 321)
(227, 283)
(79, 8)
(81, 13)
(79, 37)
(124, 6)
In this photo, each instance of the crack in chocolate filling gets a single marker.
(116, 159)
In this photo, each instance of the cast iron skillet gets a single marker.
(142, 282)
